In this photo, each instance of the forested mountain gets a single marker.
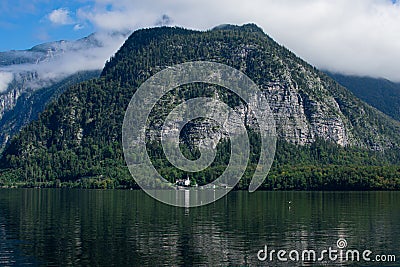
(328, 138)
(29, 104)
(379, 93)
(27, 77)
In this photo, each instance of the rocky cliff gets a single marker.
(306, 103)
(79, 135)
(37, 69)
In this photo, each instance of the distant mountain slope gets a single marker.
(379, 93)
(39, 67)
(47, 51)
(30, 104)
(320, 123)
(28, 77)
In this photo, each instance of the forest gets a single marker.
(76, 141)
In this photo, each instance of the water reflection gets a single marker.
(94, 227)
(6, 249)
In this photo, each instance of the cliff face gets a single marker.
(24, 67)
(300, 117)
(8, 100)
(29, 91)
(80, 133)
(18, 86)
(305, 113)
(20, 106)
(306, 103)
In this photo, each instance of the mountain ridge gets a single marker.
(45, 67)
(378, 92)
(285, 79)
(41, 52)
(79, 135)
(30, 104)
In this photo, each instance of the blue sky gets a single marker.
(24, 24)
(360, 37)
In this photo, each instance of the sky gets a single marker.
(357, 37)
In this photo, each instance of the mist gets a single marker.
(76, 57)
(5, 79)
(359, 37)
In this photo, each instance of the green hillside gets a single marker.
(379, 93)
(328, 138)
(30, 104)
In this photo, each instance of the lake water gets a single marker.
(93, 227)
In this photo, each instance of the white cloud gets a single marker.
(60, 16)
(5, 79)
(80, 57)
(78, 27)
(356, 37)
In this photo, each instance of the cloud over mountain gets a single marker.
(54, 61)
(355, 37)
(358, 37)
(5, 79)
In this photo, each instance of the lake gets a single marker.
(112, 227)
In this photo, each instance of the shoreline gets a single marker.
(233, 189)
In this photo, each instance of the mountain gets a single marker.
(29, 104)
(48, 51)
(327, 137)
(379, 93)
(48, 68)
